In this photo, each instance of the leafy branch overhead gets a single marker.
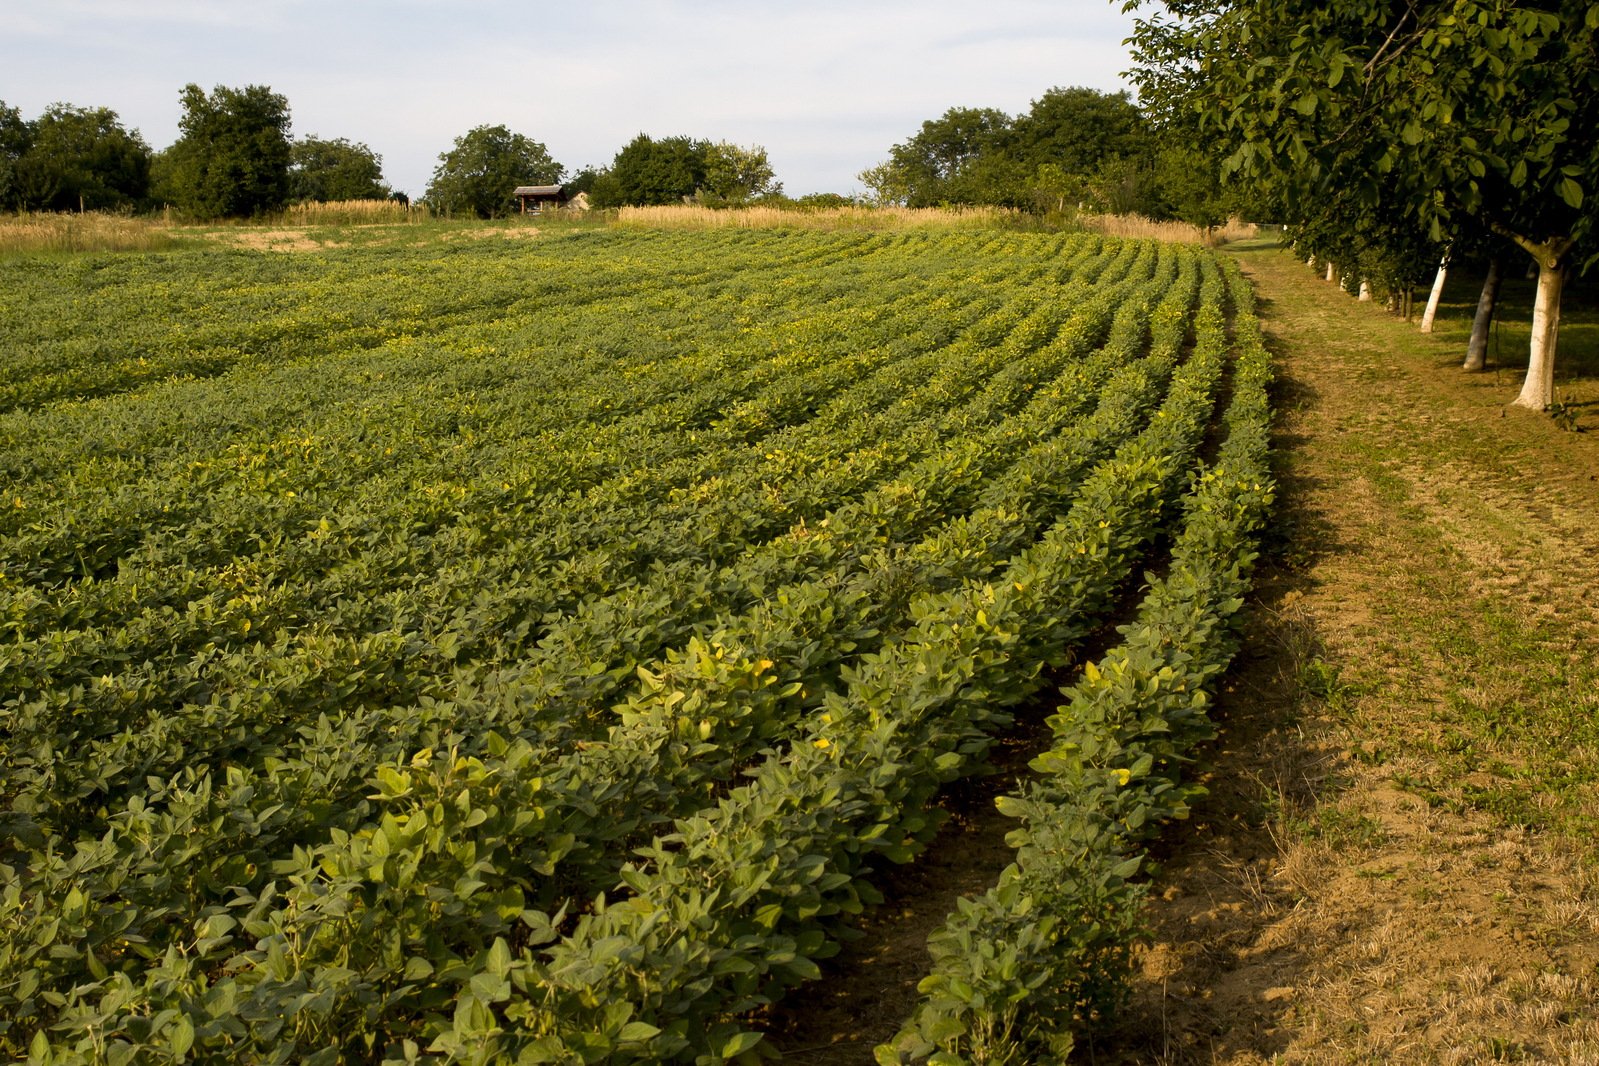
(1450, 118)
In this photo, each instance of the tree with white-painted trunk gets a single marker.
(1538, 390)
(1367, 250)
(1460, 114)
(1436, 296)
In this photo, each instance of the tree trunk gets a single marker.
(1435, 296)
(1331, 272)
(1477, 347)
(1365, 290)
(1538, 391)
(1549, 256)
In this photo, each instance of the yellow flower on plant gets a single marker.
(1123, 776)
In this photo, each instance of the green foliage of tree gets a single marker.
(736, 175)
(1378, 244)
(1185, 183)
(583, 180)
(487, 163)
(1053, 190)
(232, 157)
(823, 200)
(333, 170)
(1479, 107)
(164, 178)
(71, 158)
(677, 169)
(605, 190)
(1079, 129)
(1448, 113)
(886, 185)
(939, 163)
(15, 137)
(1124, 185)
(1071, 144)
(650, 171)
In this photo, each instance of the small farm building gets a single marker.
(538, 196)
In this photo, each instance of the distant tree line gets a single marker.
(234, 158)
(679, 169)
(476, 175)
(71, 158)
(1073, 147)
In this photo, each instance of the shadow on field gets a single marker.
(1212, 981)
(1216, 977)
(869, 989)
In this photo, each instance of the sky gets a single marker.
(826, 86)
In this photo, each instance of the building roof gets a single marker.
(539, 190)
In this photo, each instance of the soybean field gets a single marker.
(536, 651)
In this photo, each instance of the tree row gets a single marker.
(1395, 137)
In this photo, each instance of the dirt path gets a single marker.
(1395, 863)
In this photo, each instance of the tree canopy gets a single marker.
(71, 158)
(1389, 119)
(1073, 144)
(649, 171)
(232, 158)
(1474, 107)
(336, 169)
(15, 137)
(946, 160)
(487, 163)
(735, 174)
(1079, 129)
(670, 170)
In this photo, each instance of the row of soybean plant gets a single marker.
(194, 520)
(700, 714)
(741, 899)
(127, 906)
(249, 691)
(85, 327)
(1019, 969)
(352, 567)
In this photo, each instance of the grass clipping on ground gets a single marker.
(1395, 864)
